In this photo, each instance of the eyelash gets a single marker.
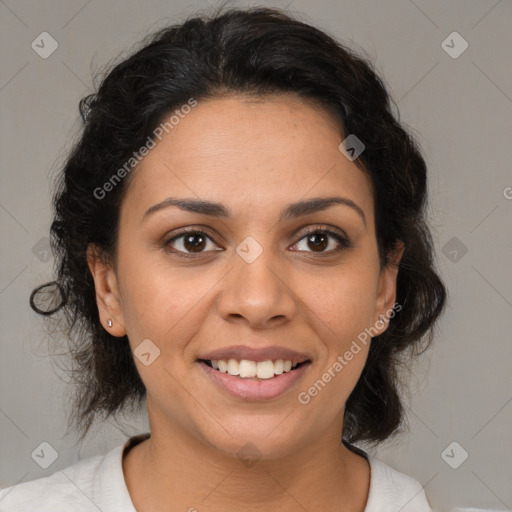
(341, 239)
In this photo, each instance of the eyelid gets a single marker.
(194, 229)
(328, 228)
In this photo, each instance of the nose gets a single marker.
(257, 293)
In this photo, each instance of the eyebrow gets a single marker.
(291, 211)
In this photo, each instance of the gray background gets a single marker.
(461, 110)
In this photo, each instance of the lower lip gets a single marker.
(264, 389)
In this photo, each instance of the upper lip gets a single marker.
(240, 352)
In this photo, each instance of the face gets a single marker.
(254, 277)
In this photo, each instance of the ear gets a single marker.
(107, 291)
(386, 293)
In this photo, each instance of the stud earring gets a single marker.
(109, 322)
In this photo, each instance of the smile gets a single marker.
(251, 380)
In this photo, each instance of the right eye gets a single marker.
(190, 242)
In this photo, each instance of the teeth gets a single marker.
(247, 369)
(233, 367)
(265, 370)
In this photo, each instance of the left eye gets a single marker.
(321, 240)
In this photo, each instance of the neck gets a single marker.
(176, 467)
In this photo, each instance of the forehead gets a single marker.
(250, 153)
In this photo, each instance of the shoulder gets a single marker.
(88, 485)
(391, 490)
(61, 490)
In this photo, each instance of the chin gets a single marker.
(265, 442)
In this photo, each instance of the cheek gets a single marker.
(163, 303)
(345, 346)
(341, 308)
(343, 303)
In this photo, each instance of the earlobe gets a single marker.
(108, 298)
(386, 297)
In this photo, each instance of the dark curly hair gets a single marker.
(257, 51)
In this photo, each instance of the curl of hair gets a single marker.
(260, 52)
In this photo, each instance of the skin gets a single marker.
(255, 156)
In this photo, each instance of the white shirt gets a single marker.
(97, 484)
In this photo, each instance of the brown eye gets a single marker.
(194, 243)
(191, 242)
(322, 241)
(318, 241)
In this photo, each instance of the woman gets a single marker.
(242, 243)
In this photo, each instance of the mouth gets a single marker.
(253, 370)
(254, 380)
